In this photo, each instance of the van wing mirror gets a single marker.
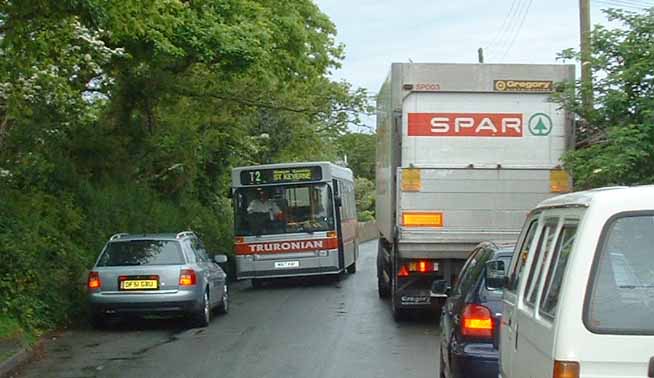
(440, 289)
(495, 274)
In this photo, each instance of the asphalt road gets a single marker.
(323, 328)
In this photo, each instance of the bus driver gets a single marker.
(263, 205)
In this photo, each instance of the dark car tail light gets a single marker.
(476, 321)
(187, 277)
(94, 281)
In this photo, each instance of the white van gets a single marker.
(579, 297)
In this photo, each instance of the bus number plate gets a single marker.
(287, 264)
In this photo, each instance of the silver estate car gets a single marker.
(157, 274)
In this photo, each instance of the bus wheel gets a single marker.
(352, 268)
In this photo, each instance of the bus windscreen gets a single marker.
(283, 209)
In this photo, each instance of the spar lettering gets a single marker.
(466, 124)
(286, 246)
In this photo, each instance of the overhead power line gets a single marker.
(628, 4)
(505, 33)
(498, 34)
(518, 30)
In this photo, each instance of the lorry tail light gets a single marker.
(187, 277)
(566, 369)
(476, 321)
(423, 266)
(403, 272)
(94, 281)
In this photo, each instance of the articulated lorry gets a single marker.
(463, 152)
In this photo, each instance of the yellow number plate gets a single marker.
(139, 285)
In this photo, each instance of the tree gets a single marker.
(127, 116)
(360, 151)
(615, 144)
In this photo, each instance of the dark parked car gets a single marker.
(470, 316)
(160, 274)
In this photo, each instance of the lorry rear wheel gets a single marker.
(382, 288)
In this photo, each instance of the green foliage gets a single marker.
(128, 117)
(9, 328)
(360, 151)
(365, 198)
(616, 140)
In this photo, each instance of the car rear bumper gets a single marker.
(475, 360)
(177, 302)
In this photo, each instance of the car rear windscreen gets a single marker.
(621, 298)
(142, 252)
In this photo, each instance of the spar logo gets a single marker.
(466, 124)
(285, 246)
(540, 124)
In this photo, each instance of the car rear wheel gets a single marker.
(223, 307)
(202, 317)
(98, 321)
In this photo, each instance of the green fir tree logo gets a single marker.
(540, 124)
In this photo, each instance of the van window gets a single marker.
(521, 256)
(540, 257)
(622, 292)
(550, 296)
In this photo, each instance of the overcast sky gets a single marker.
(379, 32)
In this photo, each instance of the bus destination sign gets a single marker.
(282, 175)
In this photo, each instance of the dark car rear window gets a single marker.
(142, 252)
(621, 295)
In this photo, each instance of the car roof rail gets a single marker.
(185, 234)
(118, 235)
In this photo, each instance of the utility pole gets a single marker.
(586, 55)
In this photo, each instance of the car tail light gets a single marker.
(187, 277)
(404, 272)
(476, 321)
(566, 369)
(94, 281)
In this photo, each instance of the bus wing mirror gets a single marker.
(338, 201)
